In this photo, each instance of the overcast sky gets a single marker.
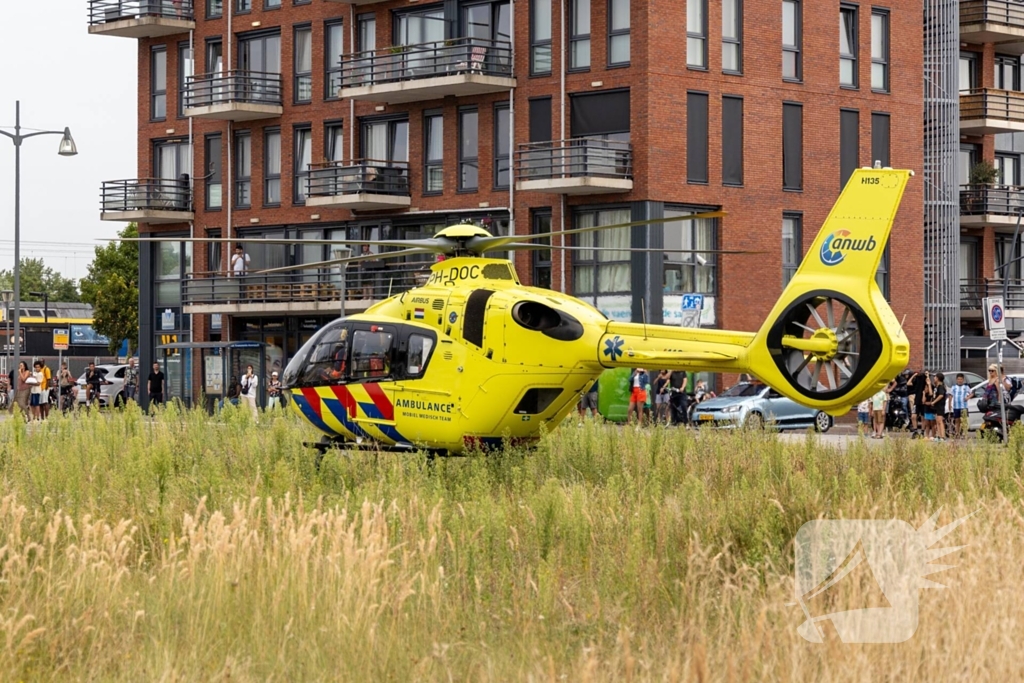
(63, 77)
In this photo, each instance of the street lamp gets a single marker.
(7, 296)
(67, 149)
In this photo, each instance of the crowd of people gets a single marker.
(664, 399)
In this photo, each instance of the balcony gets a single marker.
(361, 184)
(993, 21)
(972, 291)
(982, 205)
(575, 166)
(304, 293)
(234, 96)
(141, 18)
(984, 111)
(428, 71)
(147, 200)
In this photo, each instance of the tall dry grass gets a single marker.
(199, 549)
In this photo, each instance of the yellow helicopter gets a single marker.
(473, 357)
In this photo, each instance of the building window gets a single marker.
(542, 257)
(272, 167)
(158, 83)
(968, 71)
(261, 54)
(601, 263)
(579, 38)
(185, 70)
(732, 140)
(271, 4)
(243, 169)
(732, 36)
(302, 159)
(792, 146)
(433, 157)
(243, 5)
(1007, 72)
(880, 50)
(468, 149)
(214, 8)
(792, 41)
(1007, 169)
(848, 46)
(213, 251)
(880, 139)
(696, 33)
(334, 142)
(386, 141)
(792, 249)
(618, 32)
(690, 261)
(334, 34)
(303, 64)
(540, 37)
(849, 144)
(213, 171)
(173, 161)
(502, 145)
(696, 137)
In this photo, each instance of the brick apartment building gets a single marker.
(321, 119)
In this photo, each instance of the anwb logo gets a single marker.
(835, 246)
(860, 579)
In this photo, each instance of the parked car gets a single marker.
(111, 394)
(970, 378)
(974, 416)
(754, 404)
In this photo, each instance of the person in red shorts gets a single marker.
(638, 382)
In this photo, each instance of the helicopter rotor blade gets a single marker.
(344, 261)
(524, 246)
(424, 243)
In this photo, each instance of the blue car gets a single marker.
(753, 404)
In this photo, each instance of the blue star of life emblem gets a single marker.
(613, 348)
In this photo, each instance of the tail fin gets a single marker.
(831, 340)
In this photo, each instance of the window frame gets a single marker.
(465, 161)
(242, 138)
(214, 9)
(877, 116)
(618, 33)
(297, 75)
(847, 166)
(580, 37)
(300, 176)
(730, 140)
(332, 71)
(538, 263)
(156, 94)
(183, 59)
(497, 157)
(269, 177)
(242, 6)
(853, 57)
(430, 163)
(797, 107)
(797, 47)
(789, 268)
(536, 43)
(214, 172)
(695, 134)
(596, 262)
(702, 36)
(268, 6)
(712, 262)
(973, 60)
(331, 130)
(737, 41)
(1002, 61)
(883, 60)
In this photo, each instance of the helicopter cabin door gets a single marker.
(371, 380)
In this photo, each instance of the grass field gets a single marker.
(195, 550)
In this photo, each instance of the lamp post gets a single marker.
(67, 149)
(7, 296)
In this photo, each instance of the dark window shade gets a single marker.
(792, 146)
(696, 137)
(599, 113)
(880, 139)
(540, 119)
(849, 144)
(732, 140)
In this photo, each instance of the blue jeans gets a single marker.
(130, 392)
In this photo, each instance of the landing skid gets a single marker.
(326, 444)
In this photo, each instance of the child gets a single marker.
(878, 402)
(864, 414)
(938, 406)
(959, 393)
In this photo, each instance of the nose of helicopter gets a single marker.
(293, 371)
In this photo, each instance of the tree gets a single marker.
(112, 287)
(37, 277)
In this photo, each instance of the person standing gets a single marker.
(155, 385)
(638, 382)
(678, 397)
(864, 414)
(589, 401)
(661, 396)
(878, 402)
(239, 262)
(915, 389)
(65, 384)
(131, 381)
(250, 386)
(938, 406)
(273, 391)
(22, 396)
(959, 394)
(38, 387)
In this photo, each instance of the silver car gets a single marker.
(754, 405)
(974, 416)
(112, 389)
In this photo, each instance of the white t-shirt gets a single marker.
(249, 385)
(239, 263)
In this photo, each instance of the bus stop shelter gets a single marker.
(219, 363)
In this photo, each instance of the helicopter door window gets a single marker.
(419, 353)
(371, 354)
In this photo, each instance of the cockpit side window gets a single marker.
(329, 360)
(371, 354)
(418, 354)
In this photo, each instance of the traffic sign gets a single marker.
(61, 339)
(995, 317)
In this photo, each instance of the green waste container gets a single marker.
(613, 394)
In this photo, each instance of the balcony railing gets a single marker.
(234, 87)
(972, 291)
(993, 21)
(364, 281)
(991, 200)
(146, 194)
(988, 110)
(361, 176)
(574, 158)
(141, 18)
